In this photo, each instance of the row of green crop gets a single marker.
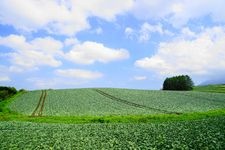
(85, 102)
(79, 102)
(88, 102)
(200, 134)
(177, 101)
(26, 102)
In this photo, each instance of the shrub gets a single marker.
(180, 83)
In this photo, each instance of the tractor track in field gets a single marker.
(39, 102)
(133, 104)
(43, 103)
(40, 106)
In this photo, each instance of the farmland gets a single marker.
(89, 102)
(170, 101)
(106, 118)
(198, 134)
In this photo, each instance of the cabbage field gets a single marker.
(106, 118)
(103, 102)
(177, 101)
(198, 134)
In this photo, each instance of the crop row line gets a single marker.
(132, 103)
(40, 106)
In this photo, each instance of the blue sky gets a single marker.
(113, 43)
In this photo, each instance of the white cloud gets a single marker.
(203, 55)
(59, 17)
(145, 9)
(32, 54)
(140, 78)
(144, 33)
(79, 74)
(91, 52)
(129, 32)
(47, 45)
(179, 12)
(4, 78)
(72, 16)
(71, 41)
(147, 29)
(187, 33)
(97, 31)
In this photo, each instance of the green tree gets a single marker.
(180, 83)
(6, 92)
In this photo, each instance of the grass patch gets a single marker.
(114, 119)
(220, 88)
(4, 104)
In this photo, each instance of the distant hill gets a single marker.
(214, 81)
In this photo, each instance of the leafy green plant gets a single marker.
(195, 134)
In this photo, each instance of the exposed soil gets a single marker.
(40, 106)
(43, 103)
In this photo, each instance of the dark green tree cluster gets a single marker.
(6, 92)
(180, 83)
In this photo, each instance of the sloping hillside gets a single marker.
(106, 102)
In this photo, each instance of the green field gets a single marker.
(198, 134)
(89, 102)
(107, 118)
(211, 88)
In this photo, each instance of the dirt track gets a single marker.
(40, 106)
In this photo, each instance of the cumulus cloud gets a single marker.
(79, 74)
(32, 54)
(203, 55)
(59, 17)
(179, 12)
(46, 51)
(91, 52)
(72, 16)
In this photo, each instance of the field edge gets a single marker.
(114, 119)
